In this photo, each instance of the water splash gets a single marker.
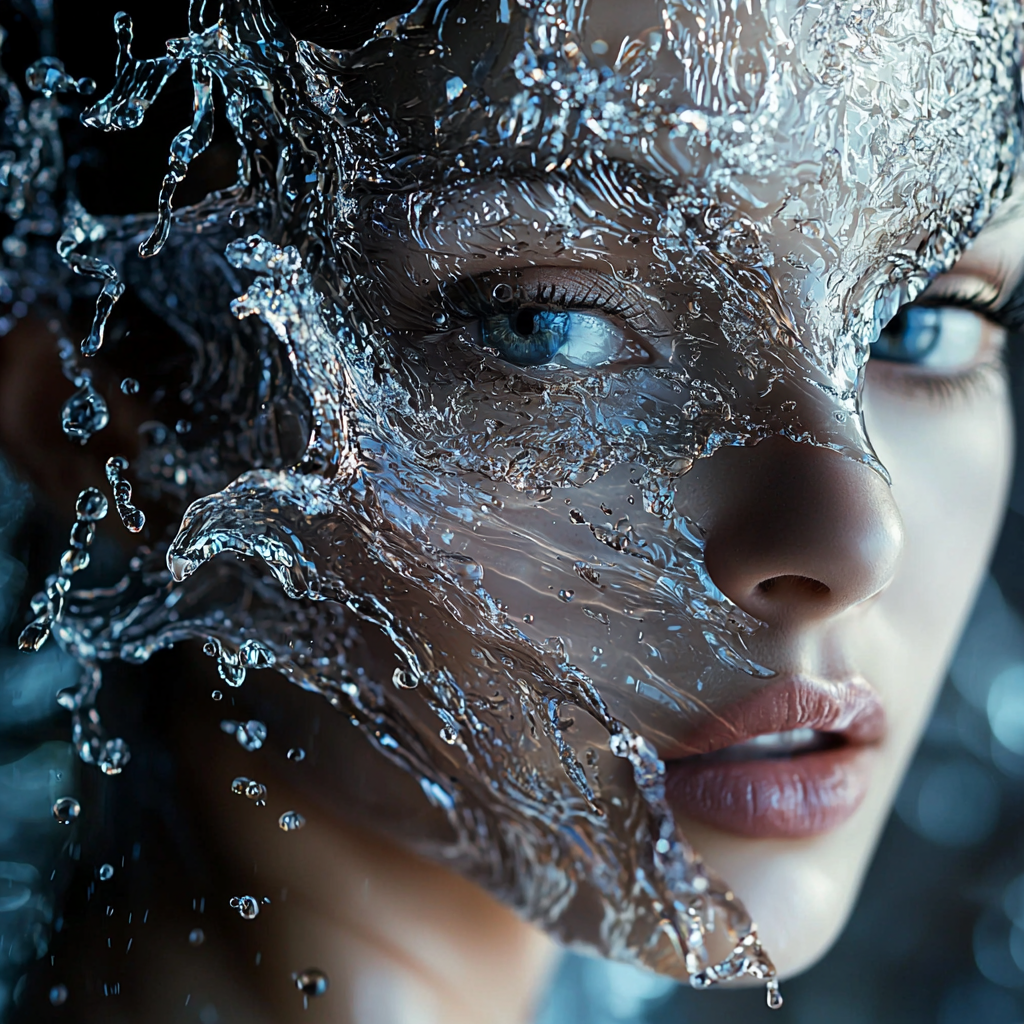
(387, 458)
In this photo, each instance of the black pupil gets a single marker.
(525, 322)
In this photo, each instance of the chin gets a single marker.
(800, 891)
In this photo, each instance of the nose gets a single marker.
(797, 533)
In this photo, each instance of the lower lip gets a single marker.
(776, 798)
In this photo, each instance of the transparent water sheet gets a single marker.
(759, 210)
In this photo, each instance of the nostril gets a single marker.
(794, 586)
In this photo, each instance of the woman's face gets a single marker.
(605, 463)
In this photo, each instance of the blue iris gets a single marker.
(528, 336)
(911, 336)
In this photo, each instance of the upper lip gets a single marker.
(849, 708)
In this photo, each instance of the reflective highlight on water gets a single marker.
(388, 451)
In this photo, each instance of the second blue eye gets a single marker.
(938, 338)
(911, 334)
(535, 337)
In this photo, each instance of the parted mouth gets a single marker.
(786, 762)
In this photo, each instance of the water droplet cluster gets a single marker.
(250, 789)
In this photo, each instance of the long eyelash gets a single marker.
(468, 299)
(1009, 315)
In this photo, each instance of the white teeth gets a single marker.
(776, 744)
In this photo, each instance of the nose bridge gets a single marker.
(795, 532)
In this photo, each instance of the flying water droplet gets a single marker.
(255, 791)
(296, 754)
(311, 982)
(134, 519)
(129, 386)
(106, 872)
(84, 413)
(246, 906)
(217, 695)
(403, 680)
(91, 505)
(113, 756)
(774, 996)
(58, 995)
(291, 821)
(66, 809)
(196, 937)
(251, 734)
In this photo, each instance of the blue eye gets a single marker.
(536, 337)
(940, 338)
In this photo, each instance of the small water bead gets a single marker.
(113, 756)
(773, 995)
(402, 680)
(84, 413)
(311, 982)
(291, 821)
(251, 734)
(129, 386)
(58, 995)
(66, 809)
(217, 695)
(106, 872)
(246, 906)
(296, 754)
(566, 595)
(502, 293)
(196, 937)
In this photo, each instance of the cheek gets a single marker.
(950, 463)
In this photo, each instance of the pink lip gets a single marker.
(785, 797)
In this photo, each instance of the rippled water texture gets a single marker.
(764, 184)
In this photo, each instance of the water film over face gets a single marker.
(490, 293)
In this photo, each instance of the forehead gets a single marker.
(871, 141)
